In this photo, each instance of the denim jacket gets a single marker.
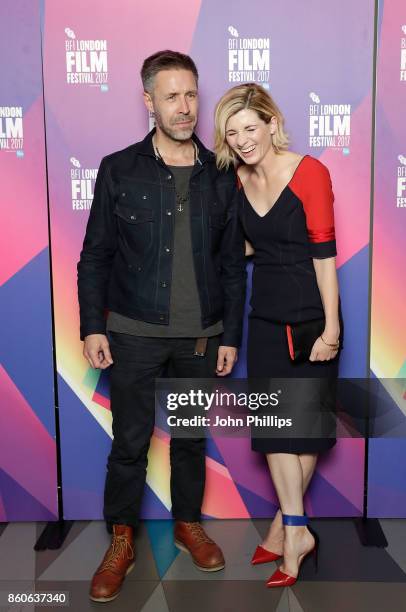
(126, 261)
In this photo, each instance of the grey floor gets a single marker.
(350, 578)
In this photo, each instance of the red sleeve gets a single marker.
(312, 185)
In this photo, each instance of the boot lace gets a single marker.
(199, 533)
(120, 548)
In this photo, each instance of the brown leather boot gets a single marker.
(117, 563)
(192, 538)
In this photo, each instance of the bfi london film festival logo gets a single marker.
(329, 125)
(403, 55)
(82, 185)
(401, 183)
(248, 59)
(12, 130)
(86, 61)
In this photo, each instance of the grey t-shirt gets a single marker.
(184, 309)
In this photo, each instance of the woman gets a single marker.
(286, 208)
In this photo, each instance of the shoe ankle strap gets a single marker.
(296, 520)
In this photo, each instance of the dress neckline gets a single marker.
(280, 194)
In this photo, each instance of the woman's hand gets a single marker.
(328, 286)
(321, 351)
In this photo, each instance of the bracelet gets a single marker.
(333, 346)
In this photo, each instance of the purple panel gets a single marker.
(27, 445)
(387, 458)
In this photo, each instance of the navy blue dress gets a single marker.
(298, 228)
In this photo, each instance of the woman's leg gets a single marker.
(287, 475)
(275, 536)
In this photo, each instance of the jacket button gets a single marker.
(214, 203)
(167, 249)
(123, 194)
(161, 318)
(139, 268)
(169, 212)
(169, 177)
(144, 197)
(133, 217)
(164, 284)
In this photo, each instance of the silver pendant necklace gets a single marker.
(180, 200)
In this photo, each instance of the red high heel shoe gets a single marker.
(279, 578)
(261, 555)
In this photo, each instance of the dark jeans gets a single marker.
(137, 362)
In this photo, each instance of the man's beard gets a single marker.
(177, 135)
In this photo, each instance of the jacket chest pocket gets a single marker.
(216, 226)
(135, 227)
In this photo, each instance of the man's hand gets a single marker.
(97, 351)
(226, 358)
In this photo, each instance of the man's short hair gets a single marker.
(165, 60)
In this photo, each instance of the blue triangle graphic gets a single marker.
(257, 506)
(152, 507)
(161, 537)
(26, 346)
(81, 436)
(353, 275)
(21, 505)
(213, 452)
(331, 501)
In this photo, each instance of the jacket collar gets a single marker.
(145, 147)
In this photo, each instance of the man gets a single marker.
(164, 253)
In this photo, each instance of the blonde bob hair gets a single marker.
(247, 96)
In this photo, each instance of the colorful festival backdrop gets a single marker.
(93, 105)
(93, 53)
(387, 454)
(28, 480)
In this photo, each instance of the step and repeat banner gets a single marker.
(387, 451)
(28, 474)
(93, 53)
(319, 68)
